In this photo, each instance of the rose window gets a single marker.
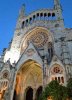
(56, 69)
(39, 38)
(6, 74)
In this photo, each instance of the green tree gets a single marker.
(69, 86)
(63, 92)
(54, 89)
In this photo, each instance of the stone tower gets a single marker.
(40, 51)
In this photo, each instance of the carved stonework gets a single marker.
(30, 52)
(39, 39)
(55, 59)
(56, 69)
(3, 87)
(5, 74)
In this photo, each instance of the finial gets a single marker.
(58, 7)
(22, 10)
(57, 3)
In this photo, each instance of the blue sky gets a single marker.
(9, 10)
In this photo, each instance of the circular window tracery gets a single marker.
(38, 38)
(6, 74)
(56, 69)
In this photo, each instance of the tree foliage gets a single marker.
(55, 90)
(69, 87)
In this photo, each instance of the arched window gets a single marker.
(37, 14)
(45, 14)
(62, 79)
(30, 20)
(49, 14)
(23, 24)
(37, 18)
(59, 79)
(41, 14)
(56, 78)
(34, 17)
(53, 14)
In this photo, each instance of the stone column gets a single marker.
(34, 94)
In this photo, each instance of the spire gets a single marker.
(57, 4)
(58, 7)
(22, 11)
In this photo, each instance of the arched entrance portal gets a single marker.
(29, 75)
(29, 94)
(38, 93)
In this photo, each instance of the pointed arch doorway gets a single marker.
(29, 94)
(39, 92)
(29, 75)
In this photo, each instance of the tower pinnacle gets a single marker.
(22, 11)
(57, 4)
(58, 8)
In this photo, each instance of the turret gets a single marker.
(22, 11)
(20, 17)
(57, 4)
(58, 8)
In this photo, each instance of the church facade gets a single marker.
(40, 51)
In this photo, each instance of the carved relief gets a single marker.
(3, 87)
(30, 52)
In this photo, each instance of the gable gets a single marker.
(30, 53)
(55, 61)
